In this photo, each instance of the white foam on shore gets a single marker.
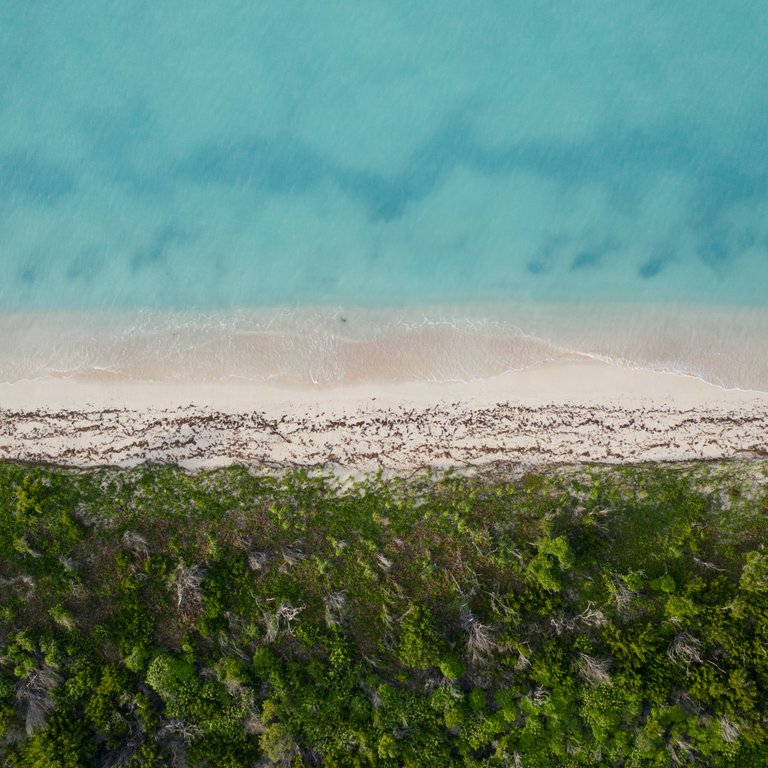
(336, 346)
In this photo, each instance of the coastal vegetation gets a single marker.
(576, 616)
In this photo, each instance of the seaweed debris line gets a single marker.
(606, 415)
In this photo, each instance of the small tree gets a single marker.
(419, 644)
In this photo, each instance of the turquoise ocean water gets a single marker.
(224, 187)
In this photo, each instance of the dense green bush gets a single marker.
(576, 617)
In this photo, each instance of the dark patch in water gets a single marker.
(385, 199)
(537, 266)
(29, 176)
(388, 197)
(651, 268)
(625, 162)
(266, 165)
(283, 165)
(714, 253)
(27, 275)
(586, 260)
(156, 250)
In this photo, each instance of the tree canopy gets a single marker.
(582, 616)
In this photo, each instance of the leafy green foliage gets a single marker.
(578, 617)
(418, 639)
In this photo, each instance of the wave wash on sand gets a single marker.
(336, 346)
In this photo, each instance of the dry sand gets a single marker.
(560, 413)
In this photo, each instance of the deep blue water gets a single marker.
(234, 154)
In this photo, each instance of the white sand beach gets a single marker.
(559, 413)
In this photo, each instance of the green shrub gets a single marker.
(622, 615)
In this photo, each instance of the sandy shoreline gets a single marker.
(551, 414)
(342, 347)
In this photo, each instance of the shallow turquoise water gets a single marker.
(343, 191)
(234, 154)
